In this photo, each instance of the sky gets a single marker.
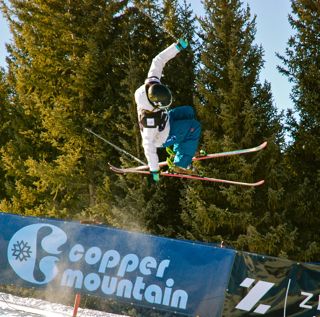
(273, 32)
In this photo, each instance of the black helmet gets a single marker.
(160, 96)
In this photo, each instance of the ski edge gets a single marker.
(192, 177)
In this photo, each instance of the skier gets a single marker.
(160, 127)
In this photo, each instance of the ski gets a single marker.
(192, 177)
(210, 156)
(232, 153)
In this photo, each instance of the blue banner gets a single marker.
(166, 274)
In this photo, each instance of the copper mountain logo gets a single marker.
(25, 247)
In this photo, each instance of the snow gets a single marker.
(15, 306)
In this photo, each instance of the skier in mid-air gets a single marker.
(160, 127)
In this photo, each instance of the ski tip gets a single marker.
(264, 144)
(259, 183)
(115, 169)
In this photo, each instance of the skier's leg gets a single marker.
(179, 130)
(186, 144)
(185, 132)
(182, 113)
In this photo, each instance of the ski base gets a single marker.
(192, 177)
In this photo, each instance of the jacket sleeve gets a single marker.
(150, 150)
(161, 59)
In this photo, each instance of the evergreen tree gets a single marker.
(302, 67)
(5, 115)
(179, 22)
(236, 111)
(61, 70)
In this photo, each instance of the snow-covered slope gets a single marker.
(14, 306)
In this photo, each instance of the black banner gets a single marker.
(272, 287)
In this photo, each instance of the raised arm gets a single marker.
(162, 58)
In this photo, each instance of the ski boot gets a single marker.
(200, 153)
(180, 170)
(172, 168)
(177, 169)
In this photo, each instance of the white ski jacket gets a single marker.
(152, 138)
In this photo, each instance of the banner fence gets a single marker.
(193, 279)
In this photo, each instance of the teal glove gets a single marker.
(155, 176)
(182, 44)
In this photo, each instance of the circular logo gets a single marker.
(32, 252)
